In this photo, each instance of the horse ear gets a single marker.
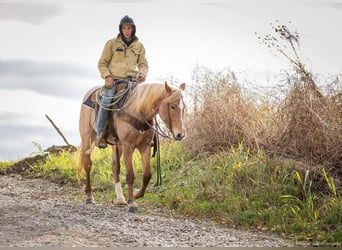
(167, 87)
(182, 86)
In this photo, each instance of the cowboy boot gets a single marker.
(100, 142)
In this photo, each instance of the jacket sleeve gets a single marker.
(103, 64)
(142, 61)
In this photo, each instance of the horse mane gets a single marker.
(149, 94)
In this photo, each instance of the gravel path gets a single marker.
(36, 212)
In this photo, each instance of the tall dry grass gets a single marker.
(309, 124)
(309, 119)
(223, 114)
(304, 124)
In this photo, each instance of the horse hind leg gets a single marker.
(86, 163)
(87, 134)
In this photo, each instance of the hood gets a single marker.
(127, 20)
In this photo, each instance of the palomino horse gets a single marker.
(143, 104)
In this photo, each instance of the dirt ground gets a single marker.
(37, 212)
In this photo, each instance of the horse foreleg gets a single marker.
(145, 158)
(116, 154)
(127, 156)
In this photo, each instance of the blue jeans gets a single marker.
(103, 113)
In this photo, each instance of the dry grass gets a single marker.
(298, 120)
(222, 114)
(309, 124)
(305, 125)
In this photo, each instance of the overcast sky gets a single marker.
(49, 52)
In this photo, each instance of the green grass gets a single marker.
(233, 188)
(58, 167)
(239, 188)
(5, 164)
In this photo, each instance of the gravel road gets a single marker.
(37, 212)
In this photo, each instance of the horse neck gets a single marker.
(153, 94)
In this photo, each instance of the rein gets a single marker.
(169, 116)
(157, 129)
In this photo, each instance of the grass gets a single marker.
(58, 167)
(238, 188)
(5, 164)
(235, 188)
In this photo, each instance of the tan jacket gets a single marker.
(121, 61)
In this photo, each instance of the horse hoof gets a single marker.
(132, 209)
(90, 201)
(119, 202)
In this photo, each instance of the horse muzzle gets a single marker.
(178, 136)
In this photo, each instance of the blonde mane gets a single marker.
(149, 94)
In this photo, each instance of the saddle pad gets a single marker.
(90, 97)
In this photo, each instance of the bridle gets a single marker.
(157, 129)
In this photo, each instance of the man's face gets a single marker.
(127, 30)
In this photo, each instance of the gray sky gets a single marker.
(49, 51)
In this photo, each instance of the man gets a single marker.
(122, 57)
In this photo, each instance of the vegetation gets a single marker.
(270, 160)
(234, 187)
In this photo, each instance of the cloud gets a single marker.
(39, 68)
(9, 117)
(324, 3)
(33, 13)
(336, 5)
(47, 78)
(17, 137)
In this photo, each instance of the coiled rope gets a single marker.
(114, 99)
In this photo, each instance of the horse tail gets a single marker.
(80, 163)
(83, 158)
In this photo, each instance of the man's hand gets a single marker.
(109, 82)
(141, 77)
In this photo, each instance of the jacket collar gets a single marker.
(128, 43)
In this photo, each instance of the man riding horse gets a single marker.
(123, 57)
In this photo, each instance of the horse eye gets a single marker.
(173, 106)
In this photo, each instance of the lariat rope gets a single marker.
(115, 99)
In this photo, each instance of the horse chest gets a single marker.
(133, 136)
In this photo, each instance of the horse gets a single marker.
(143, 103)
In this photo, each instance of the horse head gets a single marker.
(171, 111)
